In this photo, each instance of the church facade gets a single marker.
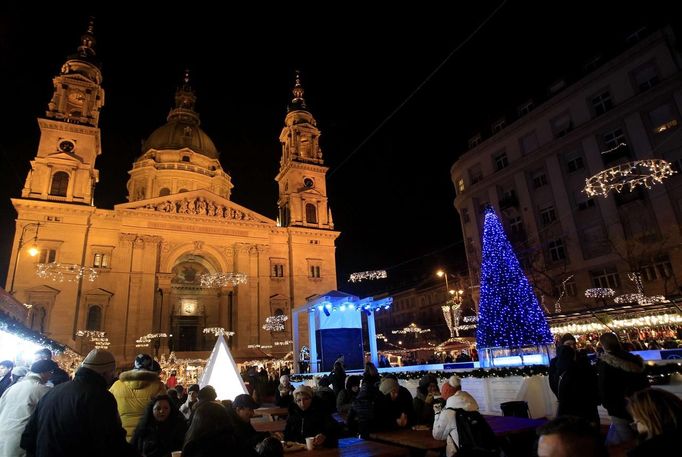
(178, 227)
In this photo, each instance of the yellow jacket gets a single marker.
(133, 392)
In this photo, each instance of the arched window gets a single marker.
(94, 321)
(60, 182)
(279, 312)
(310, 213)
(164, 191)
(185, 158)
(182, 190)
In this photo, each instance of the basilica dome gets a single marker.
(181, 132)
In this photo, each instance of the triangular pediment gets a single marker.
(200, 203)
(99, 291)
(43, 289)
(65, 157)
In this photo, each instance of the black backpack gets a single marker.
(476, 438)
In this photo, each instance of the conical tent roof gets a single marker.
(221, 372)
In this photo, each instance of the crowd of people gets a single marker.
(44, 413)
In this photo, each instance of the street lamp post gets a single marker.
(32, 251)
(452, 307)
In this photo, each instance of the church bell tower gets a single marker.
(302, 174)
(64, 166)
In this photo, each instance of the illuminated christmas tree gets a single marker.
(509, 313)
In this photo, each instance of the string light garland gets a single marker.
(69, 272)
(217, 280)
(373, 274)
(557, 304)
(275, 323)
(91, 333)
(9, 325)
(217, 331)
(509, 313)
(411, 329)
(381, 336)
(259, 346)
(600, 292)
(283, 343)
(658, 374)
(628, 175)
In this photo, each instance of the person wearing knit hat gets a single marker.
(395, 407)
(78, 415)
(450, 386)
(100, 361)
(444, 424)
(134, 390)
(18, 403)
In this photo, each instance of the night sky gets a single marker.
(389, 184)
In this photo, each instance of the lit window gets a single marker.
(278, 270)
(460, 185)
(101, 260)
(47, 256)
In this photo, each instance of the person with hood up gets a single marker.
(619, 375)
(17, 405)
(445, 424)
(134, 390)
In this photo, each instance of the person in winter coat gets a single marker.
(338, 378)
(566, 340)
(393, 409)
(79, 417)
(6, 367)
(58, 375)
(360, 418)
(161, 430)
(445, 424)
(134, 390)
(210, 433)
(577, 386)
(657, 415)
(240, 414)
(284, 392)
(190, 401)
(619, 375)
(17, 405)
(345, 398)
(423, 402)
(307, 417)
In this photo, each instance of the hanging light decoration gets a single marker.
(628, 175)
(600, 292)
(283, 343)
(411, 329)
(217, 331)
(275, 323)
(69, 272)
(373, 274)
(217, 280)
(91, 333)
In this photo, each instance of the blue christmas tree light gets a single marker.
(509, 313)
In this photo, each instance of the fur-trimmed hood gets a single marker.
(623, 361)
(139, 379)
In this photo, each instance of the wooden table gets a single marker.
(272, 413)
(415, 439)
(355, 447)
(272, 426)
(508, 425)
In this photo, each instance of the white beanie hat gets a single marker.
(454, 381)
